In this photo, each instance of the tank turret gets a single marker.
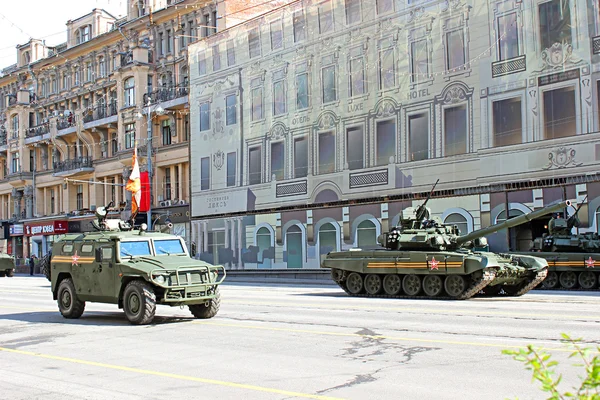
(423, 233)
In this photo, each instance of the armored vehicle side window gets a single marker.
(107, 253)
(87, 248)
(168, 246)
(137, 248)
(67, 249)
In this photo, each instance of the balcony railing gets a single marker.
(38, 130)
(3, 138)
(101, 112)
(76, 163)
(66, 122)
(166, 94)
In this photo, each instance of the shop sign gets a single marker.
(179, 214)
(46, 228)
(558, 77)
(16, 230)
(74, 226)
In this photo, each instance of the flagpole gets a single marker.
(149, 166)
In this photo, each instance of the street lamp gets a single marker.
(159, 111)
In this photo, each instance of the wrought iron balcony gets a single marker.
(3, 138)
(166, 94)
(66, 122)
(73, 164)
(100, 112)
(38, 130)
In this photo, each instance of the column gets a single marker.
(226, 223)
(204, 236)
(232, 242)
(240, 243)
(180, 180)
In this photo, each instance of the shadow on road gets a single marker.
(90, 318)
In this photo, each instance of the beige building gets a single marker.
(316, 124)
(72, 114)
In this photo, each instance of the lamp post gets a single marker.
(160, 111)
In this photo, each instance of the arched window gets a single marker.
(294, 240)
(263, 240)
(459, 220)
(129, 92)
(512, 213)
(366, 234)
(327, 238)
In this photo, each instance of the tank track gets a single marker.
(539, 277)
(476, 286)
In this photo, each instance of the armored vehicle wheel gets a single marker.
(432, 285)
(568, 279)
(411, 284)
(551, 280)
(139, 303)
(354, 283)
(208, 309)
(373, 284)
(455, 285)
(587, 279)
(10, 273)
(68, 303)
(392, 284)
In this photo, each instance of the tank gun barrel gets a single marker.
(509, 223)
(422, 210)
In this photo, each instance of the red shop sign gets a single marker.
(46, 228)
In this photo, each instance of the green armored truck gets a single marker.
(7, 265)
(133, 268)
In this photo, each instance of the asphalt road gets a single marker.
(274, 342)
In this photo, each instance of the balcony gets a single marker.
(38, 130)
(165, 94)
(76, 166)
(101, 115)
(66, 123)
(3, 137)
(19, 178)
(510, 66)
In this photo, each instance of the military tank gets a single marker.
(7, 265)
(425, 258)
(571, 257)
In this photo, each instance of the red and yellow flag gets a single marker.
(134, 184)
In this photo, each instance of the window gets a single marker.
(254, 42)
(325, 17)
(327, 238)
(384, 6)
(559, 113)
(44, 90)
(366, 234)
(257, 113)
(555, 23)
(114, 143)
(77, 81)
(141, 8)
(114, 61)
(79, 197)
(299, 26)
(15, 125)
(230, 53)
(329, 84)
(113, 190)
(186, 127)
(302, 91)
(300, 157)
(279, 98)
(102, 67)
(455, 48)
(355, 148)
(216, 58)
(231, 169)
(201, 64)
(206, 25)
(352, 11)
(357, 76)
(387, 75)
(129, 136)
(16, 165)
(83, 35)
(455, 127)
(65, 81)
(166, 132)
(88, 72)
(169, 41)
(204, 116)
(263, 240)
(508, 36)
(277, 160)
(276, 35)
(167, 184)
(419, 60)
(386, 142)
(161, 44)
(52, 201)
(54, 86)
(418, 137)
(129, 92)
(183, 38)
(205, 173)
(231, 111)
(254, 166)
(326, 152)
(176, 173)
(459, 220)
(507, 122)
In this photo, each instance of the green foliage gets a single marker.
(544, 369)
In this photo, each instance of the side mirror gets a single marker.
(99, 255)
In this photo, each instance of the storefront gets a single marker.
(15, 242)
(42, 234)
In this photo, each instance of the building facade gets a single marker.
(72, 114)
(315, 124)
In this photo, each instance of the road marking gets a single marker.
(396, 338)
(169, 375)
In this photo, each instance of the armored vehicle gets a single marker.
(425, 258)
(133, 268)
(7, 265)
(571, 257)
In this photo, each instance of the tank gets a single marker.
(425, 258)
(571, 257)
(7, 265)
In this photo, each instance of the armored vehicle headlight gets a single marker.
(159, 279)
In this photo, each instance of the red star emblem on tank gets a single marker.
(75, 259)
(433, 264)
(589, 263)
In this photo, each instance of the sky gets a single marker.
(43, 19)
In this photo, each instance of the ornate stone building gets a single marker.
(314, 125)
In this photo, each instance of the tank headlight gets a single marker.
(159, 279)
(143, 227)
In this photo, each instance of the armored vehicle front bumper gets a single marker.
(193, 285)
